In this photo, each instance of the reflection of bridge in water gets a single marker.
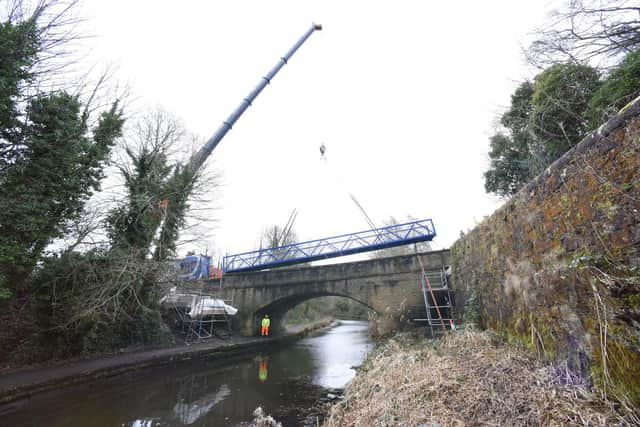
(332, 247)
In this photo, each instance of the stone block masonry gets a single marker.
(557, 268)
(390, 287)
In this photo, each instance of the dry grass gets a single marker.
(467, 378)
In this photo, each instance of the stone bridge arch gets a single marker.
(388, 286)
(278, 308)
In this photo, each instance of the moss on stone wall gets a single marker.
(557, 268)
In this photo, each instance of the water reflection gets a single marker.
(331, 357)
(262, 370)
(143, 423)
(189, 411)
(336, 354)
(201, 393)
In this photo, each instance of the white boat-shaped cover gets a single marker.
(207, 306)
(198, 305)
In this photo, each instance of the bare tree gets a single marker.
(400, 250)
(162, 197)
(275, 236)
(595, 31)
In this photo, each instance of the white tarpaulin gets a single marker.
(198, 305)
(207, 306)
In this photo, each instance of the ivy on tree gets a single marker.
(51, 160)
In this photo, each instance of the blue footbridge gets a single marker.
(331, 247)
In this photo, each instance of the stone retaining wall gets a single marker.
(557, 267)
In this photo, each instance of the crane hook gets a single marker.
(322, 150)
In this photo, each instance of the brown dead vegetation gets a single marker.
(467, 378)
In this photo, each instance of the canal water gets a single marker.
(283, 381)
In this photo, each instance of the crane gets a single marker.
(197, 266)
(199, 158)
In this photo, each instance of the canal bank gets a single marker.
(23, 383)
(469, 377)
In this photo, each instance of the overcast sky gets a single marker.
(403, 94)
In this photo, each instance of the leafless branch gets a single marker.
(588, 31)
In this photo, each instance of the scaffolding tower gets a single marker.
(438, 300)
(196, 320)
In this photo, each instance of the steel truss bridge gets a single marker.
(331, 247)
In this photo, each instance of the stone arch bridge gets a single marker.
(388, 286)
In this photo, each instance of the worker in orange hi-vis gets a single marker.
(265, 325)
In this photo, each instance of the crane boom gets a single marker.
(201, 156)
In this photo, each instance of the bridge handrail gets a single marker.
(344, 244)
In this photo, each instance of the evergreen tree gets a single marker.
(560, 98)
(511, 161)
(59, 167)
(619, 88)
(19, 46)
(51, 159)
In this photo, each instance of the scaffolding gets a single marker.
(438, 300)
(201, 314)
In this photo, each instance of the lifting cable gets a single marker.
(288, 227)
(294, 213)
(351, 196)
(364, 214)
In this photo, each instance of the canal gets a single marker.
(284, 381)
